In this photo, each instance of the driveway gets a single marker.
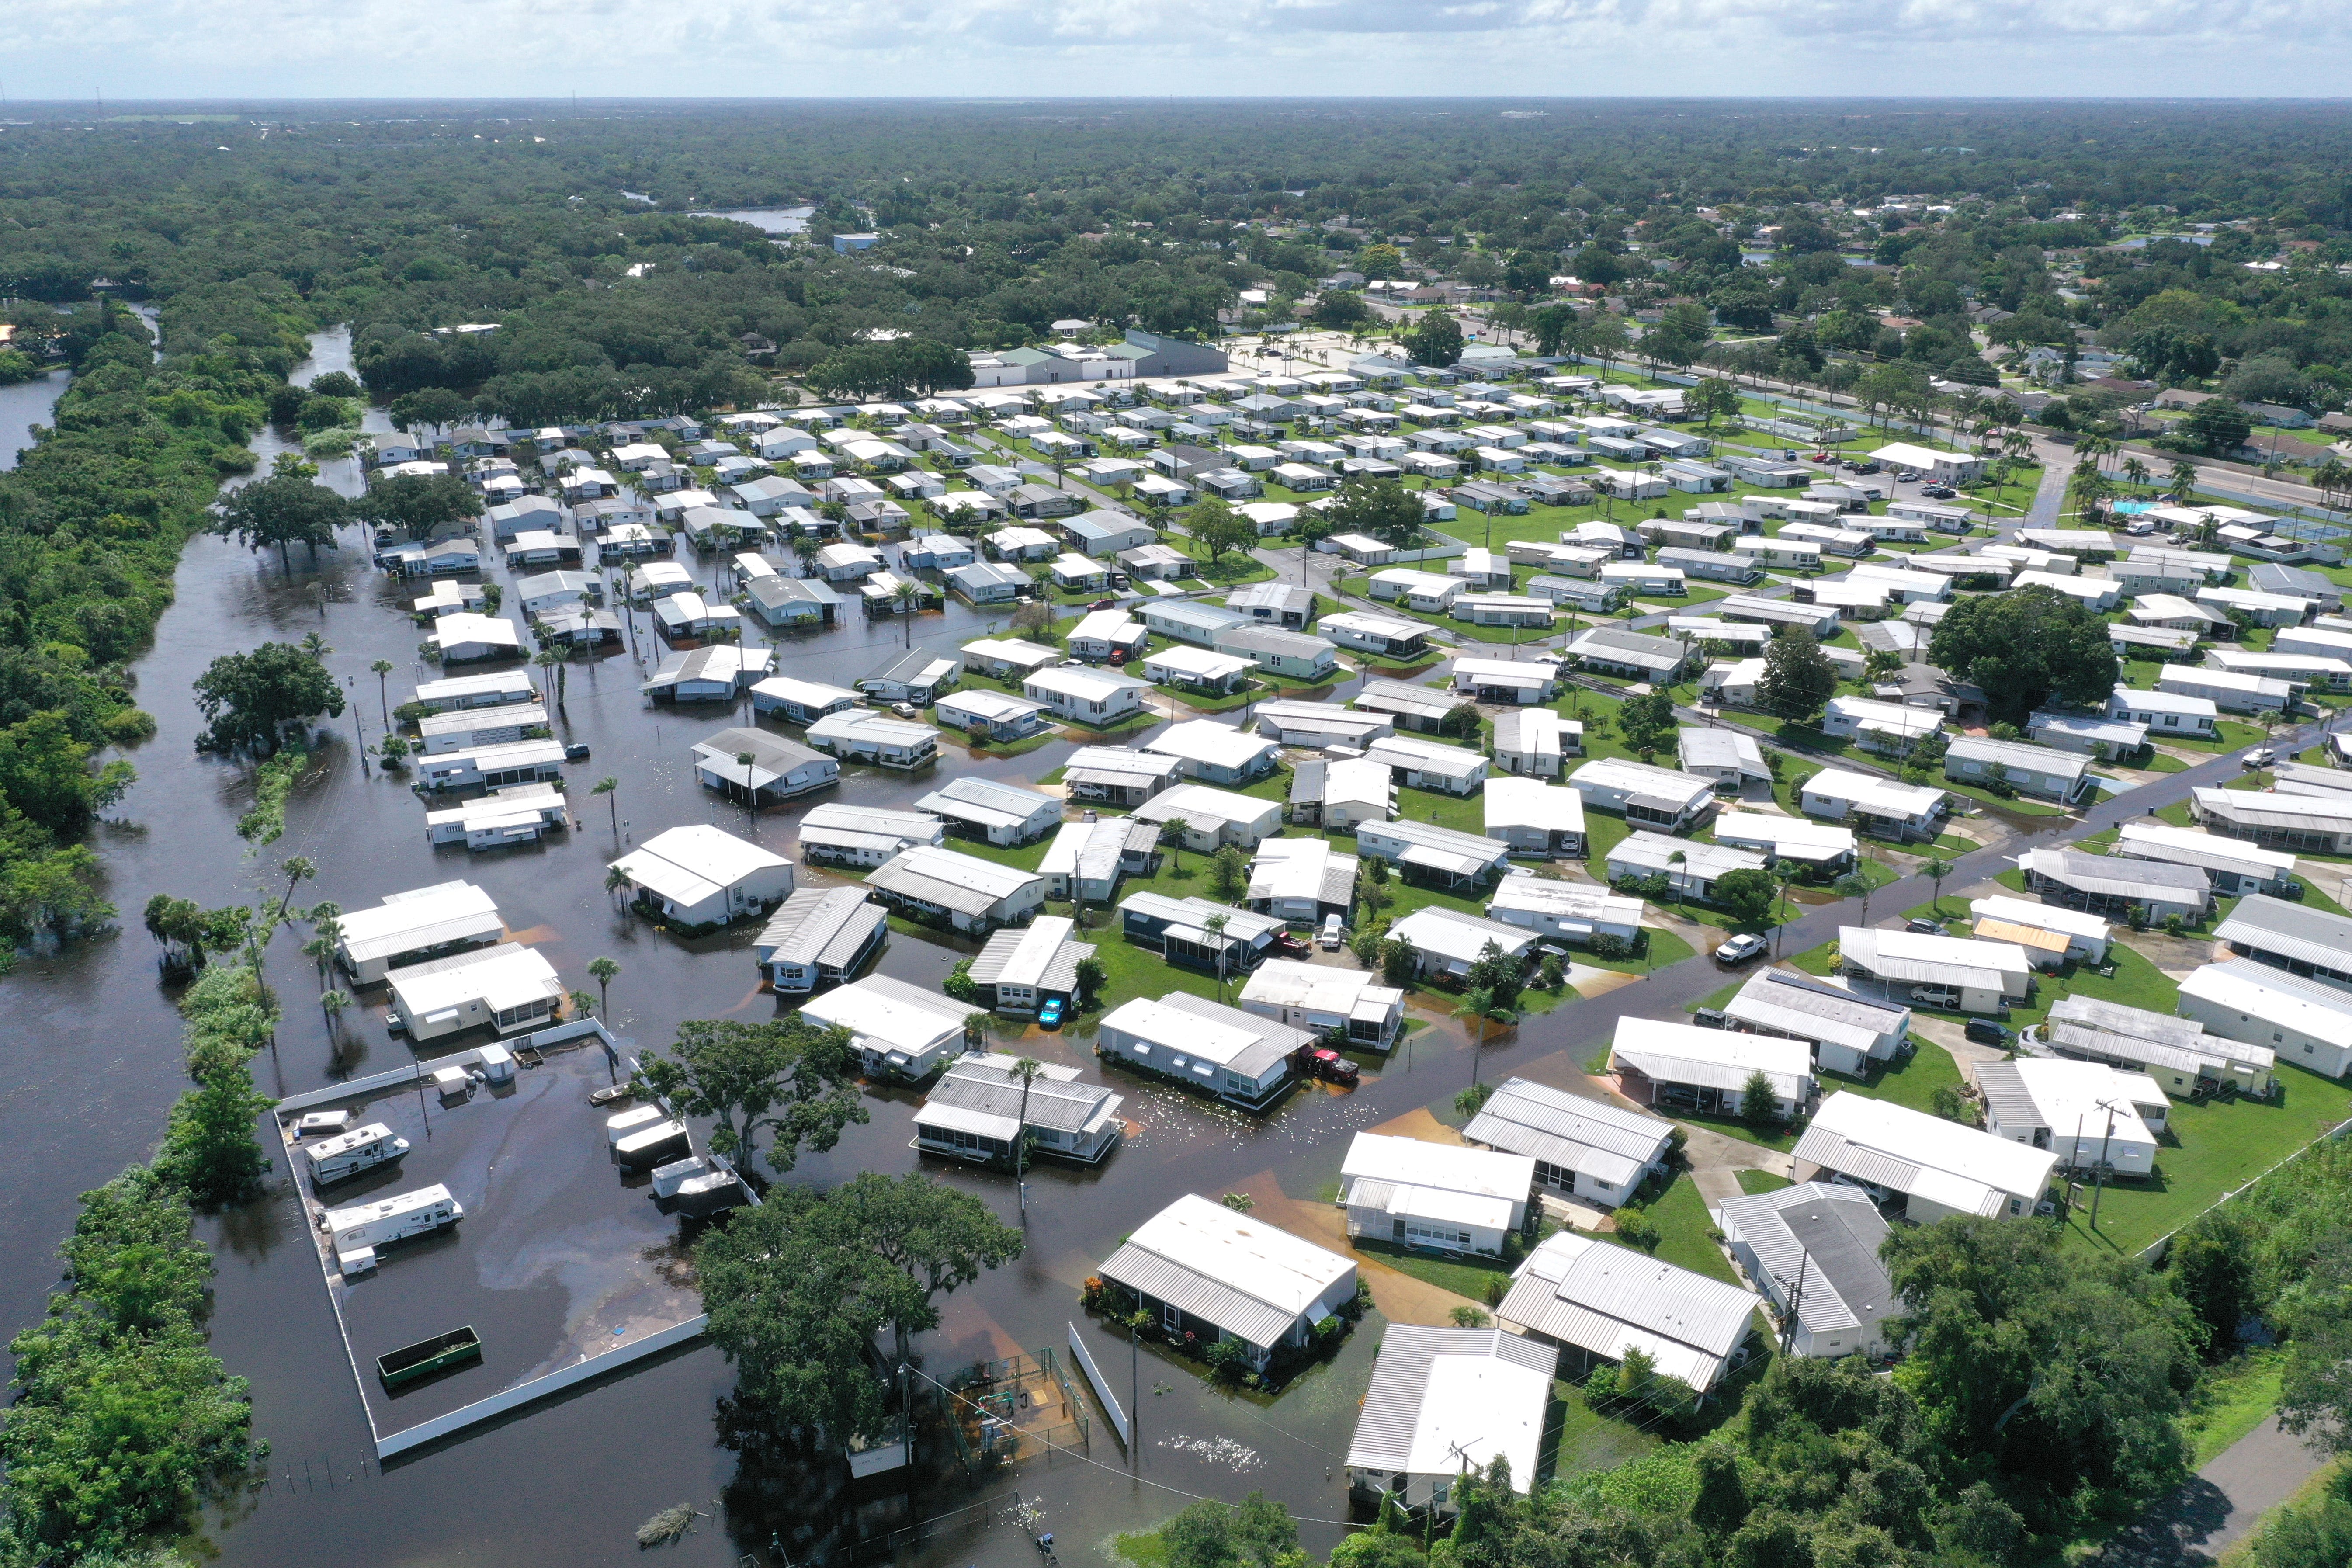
(2221, 1504)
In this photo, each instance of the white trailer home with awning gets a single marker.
(1206, 1273)
(1934, 1166)
(699, 875)
(2302, 1020)
(1847, 1031)
(1243, 1058)
(1683, 1067)
(1444, 1399)
(1600, 1302)
(1583, 1147)
(898, 1030)
(981, 1106)
(504, 988)
(820, 936)
(1437, 1197)
(1348, 1006)
(408, 927)
(1969, 976)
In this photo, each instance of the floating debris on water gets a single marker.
(669, 1525)
(1216, 1450)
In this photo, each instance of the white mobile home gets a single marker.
(1205, 1272)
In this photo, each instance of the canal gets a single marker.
(92, 1063)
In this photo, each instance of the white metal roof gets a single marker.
(1456, 937)
(2043, 916)
(1799, 838)
(1443, 1397)
(1893, 1146)
(421, 917)
(1916, 958)
(1249, 1263)
(1593, 1137)
(501, 978)
(686, 865)
(819, 925)
(1714, 1058)
(890, 1012)
(939, 876)
(1204, 740)
(1611, 1299)
(1515, 801)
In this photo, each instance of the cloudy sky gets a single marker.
(376, 48)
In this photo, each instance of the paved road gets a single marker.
(2222, 1504)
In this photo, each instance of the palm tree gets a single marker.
(2181, 478)
(604, 972)
(905, 599)
(1479, 1004)
(1171, 838)
(1215, 927)
(548, 658)
(2136, 473)
(975, 1031)
(332, 1004)
(615, 879)
(745, 759)
(607, 786)
(301, 869)
(1854, 885)
(1027, 1070)
(382, 667)
(1938, 869)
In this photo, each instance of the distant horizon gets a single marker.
(172, 51)
(1918, 103)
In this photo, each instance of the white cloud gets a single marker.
(1108, 48)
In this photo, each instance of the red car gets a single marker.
(1325, 1063)
(1104, 605)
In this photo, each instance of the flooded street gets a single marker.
(92, 1063)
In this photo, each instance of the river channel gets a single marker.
(92, 1061)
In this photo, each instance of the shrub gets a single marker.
(1229, 1360)
(1636, 1228)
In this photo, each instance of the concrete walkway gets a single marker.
(2222, 1504)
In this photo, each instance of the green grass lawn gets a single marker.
(1665, 948)
(1911, 1082)
(1584, 1440)
(2206, 1151)
(1777, 1138)
(1464, 1276)
(2231, 1401)
(1754, 1182)
(1682, 1226)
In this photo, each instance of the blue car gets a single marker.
(1049, 1016)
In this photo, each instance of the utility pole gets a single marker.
(2099, 1176)
(1796, 1304)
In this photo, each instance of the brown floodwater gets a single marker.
(92, 1061)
